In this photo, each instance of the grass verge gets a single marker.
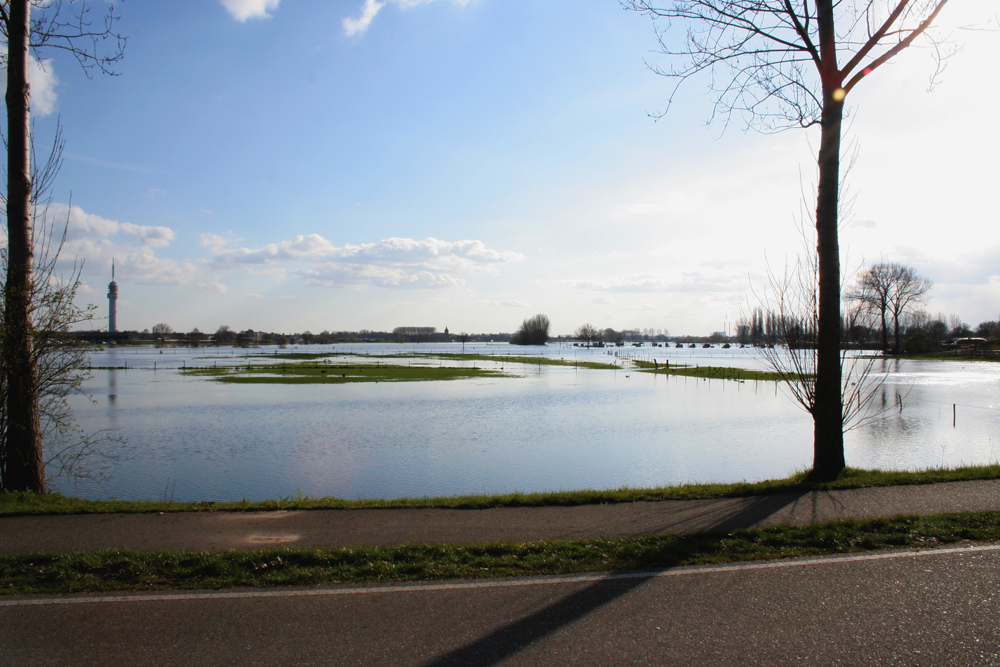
(17, 503)
(113, 570)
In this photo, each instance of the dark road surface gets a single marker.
(935, 607)
(336, 528)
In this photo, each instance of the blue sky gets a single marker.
(292, 164)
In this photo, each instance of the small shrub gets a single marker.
(918, 343)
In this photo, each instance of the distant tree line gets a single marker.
(163, 333)
(591, 335)
(880, 311)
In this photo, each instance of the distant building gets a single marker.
(112, 301)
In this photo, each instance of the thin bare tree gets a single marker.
(787, 345)
(70, 30)
(890, 290)
(59, 359)
(588, 333)
(776, 64)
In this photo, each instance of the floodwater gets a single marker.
(551, 428)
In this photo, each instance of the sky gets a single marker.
(292, 165)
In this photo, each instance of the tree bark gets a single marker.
(24, 468)
(827, 412)
(885, 327)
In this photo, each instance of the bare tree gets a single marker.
(58, 358)
(588, 333)
(788, 343)
(890, 290)
(533, 331)
(161, 330)
(776, 64)
(70, 31)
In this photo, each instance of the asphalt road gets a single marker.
(935, 607)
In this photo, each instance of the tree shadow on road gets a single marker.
(725, 515)
(698, 524)
(518, 635)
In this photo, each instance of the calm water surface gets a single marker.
(551, 428)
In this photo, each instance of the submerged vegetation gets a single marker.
(708, 372)
(312, 373)
(523, 359)
(339, 367)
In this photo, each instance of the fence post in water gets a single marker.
(954, 414)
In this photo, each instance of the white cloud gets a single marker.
(689, 282)
(82, 224)
(513, 303)
(213, 241)
(640, 283)
(356, 26)
(241, 10)
(43, 82)
(97, 240)
(152, 236)
(277, 274)
(360, 25)
(392, 262)
(135, 264)
(213, 287)
(254, 295)
(332, 276)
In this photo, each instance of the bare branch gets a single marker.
(96, 46)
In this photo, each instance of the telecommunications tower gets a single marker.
(112, 301)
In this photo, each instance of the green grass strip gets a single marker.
(306, 373)
(20, 503)
(521, 359)
(114, 570)
(708, 372)
(298, 356)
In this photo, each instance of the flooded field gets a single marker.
(528, 427)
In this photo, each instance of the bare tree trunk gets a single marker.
(828, 415)
(885, 328)
(895, 333)
(24, 469)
